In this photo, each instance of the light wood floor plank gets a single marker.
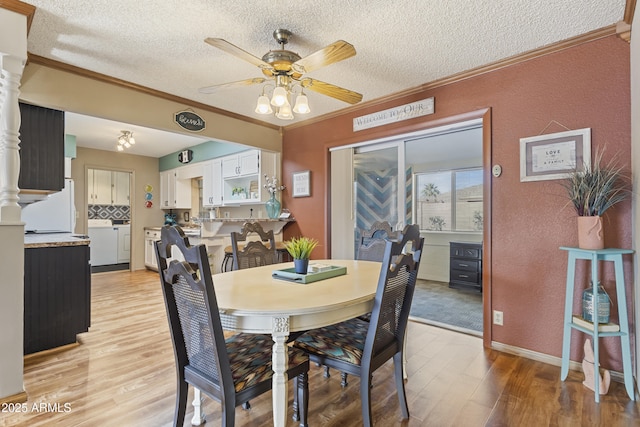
(122, 374)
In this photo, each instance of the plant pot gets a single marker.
(301, 265)
(590, 232)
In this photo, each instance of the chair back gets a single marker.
(192, 309)
(373, 241)
(255, 253)
(378, 230)
(393, 298)
(374, 251)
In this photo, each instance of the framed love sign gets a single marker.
(554, 155)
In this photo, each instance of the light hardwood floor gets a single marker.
(122, 374)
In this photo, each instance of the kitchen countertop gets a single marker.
(54, 240)
(246, 219)
(218, 227)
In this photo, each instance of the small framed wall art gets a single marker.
(553, 156)
(302, 184)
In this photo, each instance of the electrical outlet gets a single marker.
(497, 318)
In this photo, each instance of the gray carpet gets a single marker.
(435, 303)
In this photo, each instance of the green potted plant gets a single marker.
(300, 249)
(592, 191)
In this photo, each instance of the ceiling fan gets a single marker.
(287, 68)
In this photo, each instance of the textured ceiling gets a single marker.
(400, 44)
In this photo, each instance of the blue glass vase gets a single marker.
(273, 207)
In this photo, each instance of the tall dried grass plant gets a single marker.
(598, 187)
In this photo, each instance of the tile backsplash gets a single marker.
(109, 212)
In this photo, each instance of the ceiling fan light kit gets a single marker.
(286, 69)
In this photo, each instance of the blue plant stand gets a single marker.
(594, 256)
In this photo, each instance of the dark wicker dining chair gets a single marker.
(255, 253)
(231, 371)
(358, 347)
(372, 241)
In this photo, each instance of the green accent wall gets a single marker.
(201, 152)
(70, 146)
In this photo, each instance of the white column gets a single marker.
(13, 55)
(11, 72)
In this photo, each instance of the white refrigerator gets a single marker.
(55, 214)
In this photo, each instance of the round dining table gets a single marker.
(254, 301)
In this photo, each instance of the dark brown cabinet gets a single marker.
(41, 148)
(57, 296)
(465, 265)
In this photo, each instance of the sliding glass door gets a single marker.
(378, 187)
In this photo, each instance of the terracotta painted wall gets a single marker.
(580, 87)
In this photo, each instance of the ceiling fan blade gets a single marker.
(247, 82)
(333, 91)
(335, 52)
(238, 53)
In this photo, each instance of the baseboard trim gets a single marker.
(14, 398)
(50, 351)
(545, 358)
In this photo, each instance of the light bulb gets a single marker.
(302, 105)
(263, 106)
(284, 112)
(279, 97)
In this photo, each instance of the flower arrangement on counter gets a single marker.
(271, 184)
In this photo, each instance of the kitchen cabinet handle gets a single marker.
(463, 276)
(464, 265)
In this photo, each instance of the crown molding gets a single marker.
(618, 29)
(629, 11)
(623, 28)
(61, 66)
(474, 72)
(21, 8)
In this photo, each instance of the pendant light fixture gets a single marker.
(125, 140)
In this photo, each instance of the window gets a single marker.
(449, 200)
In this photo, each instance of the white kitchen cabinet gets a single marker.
(166, 191)
(105, 187)
(212, 183)
(120, 188)
(241, 164)
(150, 236)
(245, 187)
(99, 187)
(174, 192)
